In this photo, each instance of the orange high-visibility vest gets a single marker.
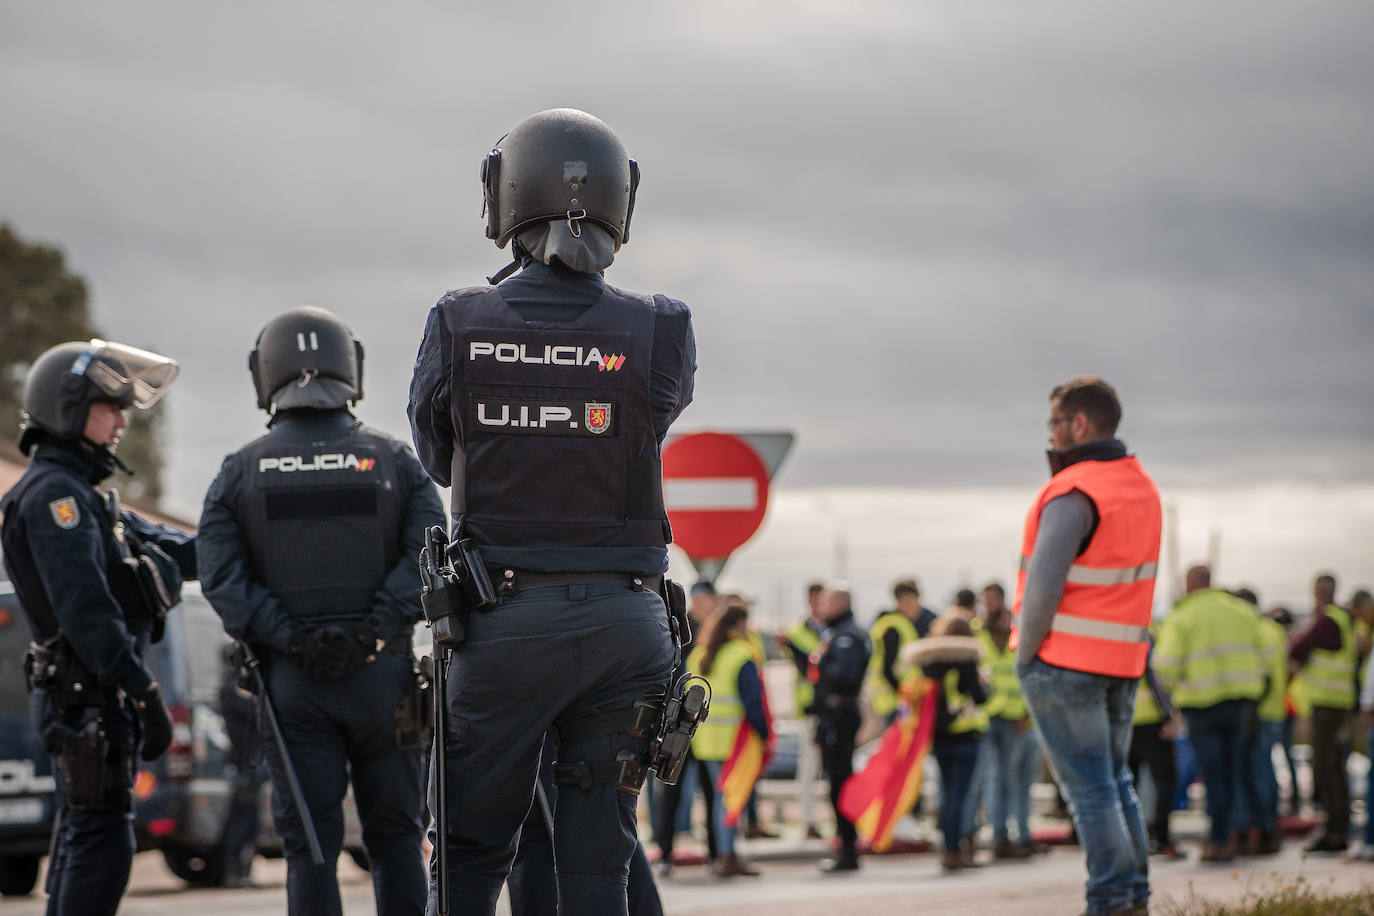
(1102, 623)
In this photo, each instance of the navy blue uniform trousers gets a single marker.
(545, 656)
(94, 847)
(332, 732)
(533, 880)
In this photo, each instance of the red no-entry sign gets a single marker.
(716, 488)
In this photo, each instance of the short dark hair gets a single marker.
(1093, 398)
(965, 598)
(905, 587)
(813, 588)
(995, 587)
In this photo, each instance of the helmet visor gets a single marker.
(128, 375)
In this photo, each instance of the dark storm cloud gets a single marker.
(899, 225)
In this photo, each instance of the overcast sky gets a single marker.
(898, 225)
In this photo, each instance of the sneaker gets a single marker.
(1326, 843)
(663, 868)
(840, 864)
(813, 834)
(1165, 850)
(951, 860)
(755, 832)
(1365, 854)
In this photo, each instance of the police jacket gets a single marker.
(543, 402)
(317, 522)
(65, 554)
(841, 667)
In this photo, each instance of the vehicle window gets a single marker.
(205, 641)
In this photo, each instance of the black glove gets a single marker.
(157, 722)
(330, 654)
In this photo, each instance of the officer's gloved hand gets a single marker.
(157, 722)
(332, 653)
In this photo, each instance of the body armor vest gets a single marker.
(322, 519)
(555, 443)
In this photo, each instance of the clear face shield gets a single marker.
(128, 375)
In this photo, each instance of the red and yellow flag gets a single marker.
(749, 754)
(880, 795)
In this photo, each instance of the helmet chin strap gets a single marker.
(105, 458)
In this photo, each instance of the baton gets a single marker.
(254, 664)
(441, 778)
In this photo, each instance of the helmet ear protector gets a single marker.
(630, 210)
(491, 174)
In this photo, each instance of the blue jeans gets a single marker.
(1012, 760)
(1218, 736)
(1257, 805)
(957, 760)
(725, 835)
(1085, 726)
(975, 800)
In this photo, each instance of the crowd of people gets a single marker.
(1226, 683)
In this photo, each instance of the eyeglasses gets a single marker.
(1055, 421)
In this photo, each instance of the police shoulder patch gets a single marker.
(65, 512)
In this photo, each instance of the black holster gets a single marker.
(95, 774)
(415, 714)
(55, 669)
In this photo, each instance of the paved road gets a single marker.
(1047, 886)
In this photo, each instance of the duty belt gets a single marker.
(513, 581)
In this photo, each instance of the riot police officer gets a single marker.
(543, 401)
(307, 549)
(840, 665)
(95, 582)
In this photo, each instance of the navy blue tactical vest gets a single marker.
(323, 518)
(555, 441)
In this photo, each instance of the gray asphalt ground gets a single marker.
(1050, 884)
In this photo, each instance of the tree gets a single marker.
(42, 304)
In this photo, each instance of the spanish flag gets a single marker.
(749, 754)
(880, 795)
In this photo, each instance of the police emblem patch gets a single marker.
(65, 513)
(597, 418)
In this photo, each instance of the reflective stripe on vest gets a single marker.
(968, 715)
(716, 735)
(1006, 701)
(881, 694)
(1328, 678)
(1101, 625)
(808, 641)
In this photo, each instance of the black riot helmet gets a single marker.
(306, 357)
(559, 164)
(66, 379)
